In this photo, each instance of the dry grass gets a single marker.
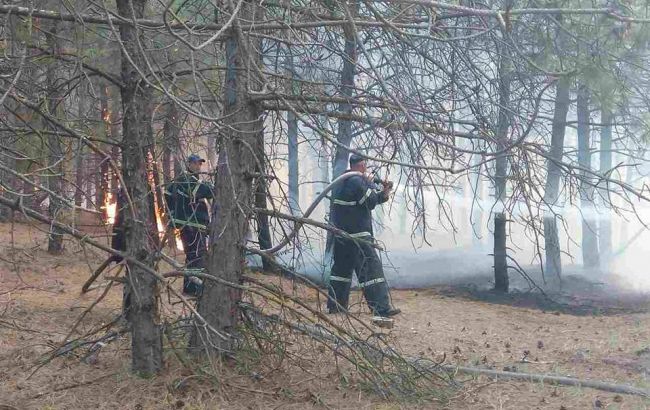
(40, 300)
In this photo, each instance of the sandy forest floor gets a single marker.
(40, 300)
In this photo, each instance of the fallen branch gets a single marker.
(550, 379)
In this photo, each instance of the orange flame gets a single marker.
(179, 242)
(110, 208)
(159, 223)
(158, 206)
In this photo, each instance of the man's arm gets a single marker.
(386, 191)
(203, 191)
(366, 194)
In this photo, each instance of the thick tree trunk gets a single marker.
(590, 255)
(171, 132)
(79, 174)
(105, 114)
(243, 128)
(178, 155)
(605, 231)
(7, 178)
(552, 189)
(114, 113)
(17, 50)
(294, 185)
(55, 150)
(20, 37)
(344, 135)
(143, 295)
(79, 162)
(501, 280)
(292, 139)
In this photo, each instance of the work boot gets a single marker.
(393, 311)
(336, 309)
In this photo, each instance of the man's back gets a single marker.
(353, 201)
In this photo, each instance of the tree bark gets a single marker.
(55, 150)
(80, 172)
(344, 133)
(501, 280)
(171, 132)
(552, 189)
(105, 118)
(590, 257)
(114, 111)
(143, 293)
(243, 129)
(605, 231)
(16, 114)
(294, 169)
(17, 50)
(292, 139)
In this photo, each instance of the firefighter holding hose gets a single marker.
(186, 200)
(352, 203)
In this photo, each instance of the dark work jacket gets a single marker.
(352, 203)
(185, 198)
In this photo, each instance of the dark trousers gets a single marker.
(362, 258)
(118, 242)
(196, 249)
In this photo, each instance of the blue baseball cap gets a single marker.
(195, 158)
(356, 158)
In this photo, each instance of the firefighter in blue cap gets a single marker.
(352, 203)
(186, 200)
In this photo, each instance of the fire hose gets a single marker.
(309, 210)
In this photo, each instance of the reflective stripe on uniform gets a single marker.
(346, 203)
(367, 194)
(360, 234)
(371, 282)
(340, 279)
(196, 189)
(187, 223)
